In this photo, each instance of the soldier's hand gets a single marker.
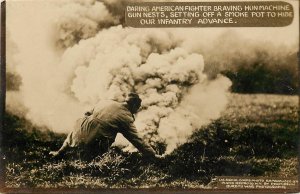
(53, 153)
(160, 156)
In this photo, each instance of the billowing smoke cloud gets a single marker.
(37, 62)
(80, 19)
(119, 60)
(83, 55)
(203, 103)
(105, 65)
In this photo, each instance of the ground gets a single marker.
(257, 135)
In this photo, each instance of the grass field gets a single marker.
(257, 135)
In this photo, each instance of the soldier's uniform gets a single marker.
(95, 132)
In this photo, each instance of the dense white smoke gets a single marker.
(177, 97)
(60, 83)
(203, 103)
(81, 20)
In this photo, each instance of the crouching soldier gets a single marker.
(97, 130)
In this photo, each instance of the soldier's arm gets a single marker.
(131, 134)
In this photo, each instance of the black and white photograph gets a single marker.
(92, 103)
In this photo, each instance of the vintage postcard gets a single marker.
(158, 96)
